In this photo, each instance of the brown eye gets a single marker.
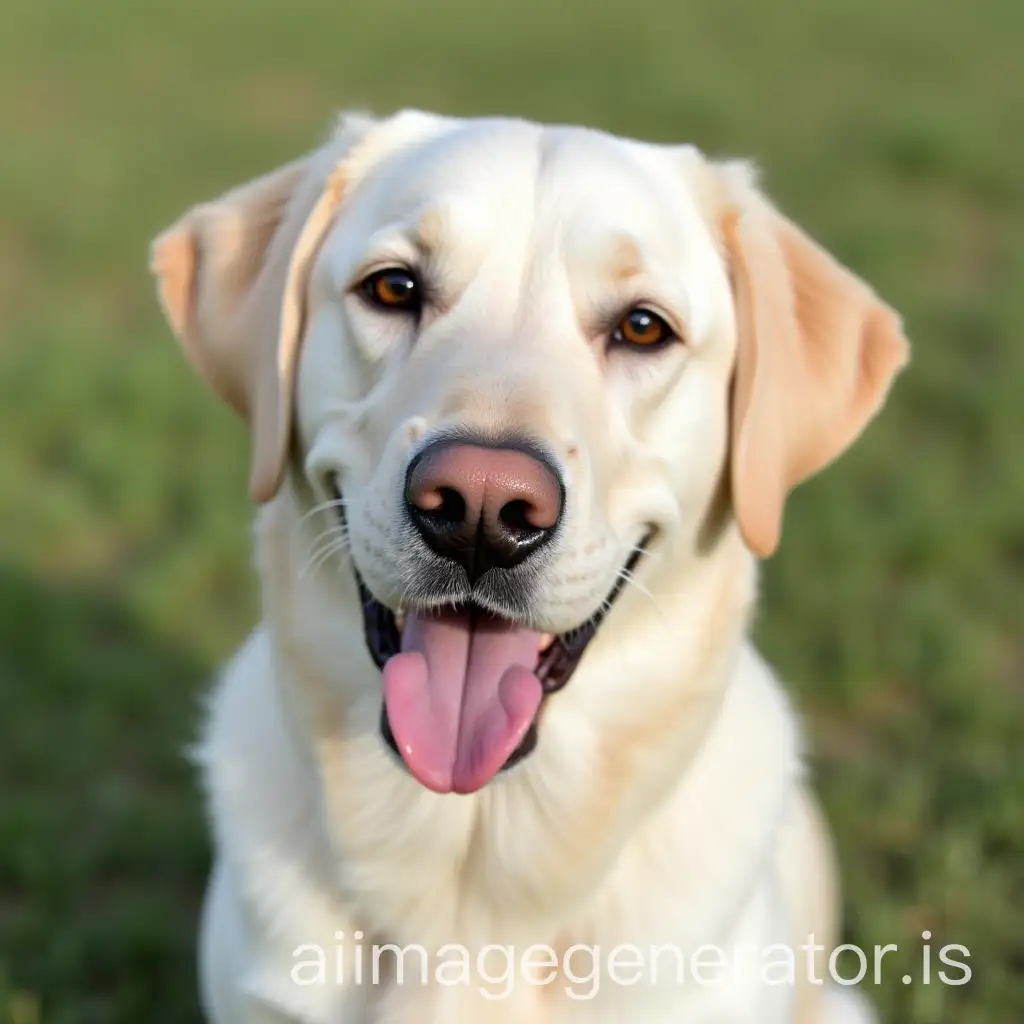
(392, 289)
(642, 329)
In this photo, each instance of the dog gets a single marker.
(526, 403)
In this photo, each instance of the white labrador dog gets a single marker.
(526, 403)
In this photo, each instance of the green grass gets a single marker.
(891, 128)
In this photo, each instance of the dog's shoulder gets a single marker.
(261, 789)
(270, 844)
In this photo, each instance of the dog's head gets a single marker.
(511, 358)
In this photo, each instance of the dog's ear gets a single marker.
(817, 352)
(231, 277)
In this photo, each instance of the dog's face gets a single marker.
(553, 302)
(511, 359)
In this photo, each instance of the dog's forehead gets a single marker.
(472, 162)
(518, 174)
(526, 211)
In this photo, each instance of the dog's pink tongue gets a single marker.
(460, 697)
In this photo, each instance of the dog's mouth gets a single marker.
(463, 687)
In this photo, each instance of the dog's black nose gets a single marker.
(483, 507)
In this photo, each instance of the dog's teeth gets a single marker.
(546, 639)
(400, 620)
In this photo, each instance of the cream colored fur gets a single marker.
(665, 803)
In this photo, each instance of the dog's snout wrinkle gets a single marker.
(483, 506)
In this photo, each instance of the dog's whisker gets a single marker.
(326, 544)
(639, 549)
(630, 580)
(315, 563)
(323, 506)
(327, 536)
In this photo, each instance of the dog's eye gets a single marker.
(392, 289)
(640, 328)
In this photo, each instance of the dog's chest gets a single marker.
(398, 872)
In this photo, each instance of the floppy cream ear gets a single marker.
(231, 276)
(817, 353)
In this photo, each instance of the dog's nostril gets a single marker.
(440, 511)
(451, 506)
(515, 516)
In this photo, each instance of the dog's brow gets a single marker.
(613, 253)
(622, 258)
(430, 231)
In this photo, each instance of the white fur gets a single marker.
(664, 804)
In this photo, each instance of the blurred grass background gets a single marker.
(892, 129)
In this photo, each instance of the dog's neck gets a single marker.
(536, 843)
